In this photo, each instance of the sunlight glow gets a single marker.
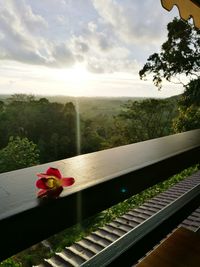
(76, 77)
(78, 81)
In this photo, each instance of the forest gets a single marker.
(35, 130)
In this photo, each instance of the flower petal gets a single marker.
(41, 183)
(42, 193)
(42, 175)
(67, 181)
(54, 172)
(54, 193)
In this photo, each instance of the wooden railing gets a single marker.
(102, 179)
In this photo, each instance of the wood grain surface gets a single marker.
(180, 249)
(102, 179)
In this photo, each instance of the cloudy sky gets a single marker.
(80, 47)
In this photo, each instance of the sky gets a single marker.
(81, 47)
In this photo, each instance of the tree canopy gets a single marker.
(178, 61)
(19, 153)
(52, 126)
(179, 55)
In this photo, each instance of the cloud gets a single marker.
(107, 65)
(32, 22)
(100, 52)
(96, 38)
(22, 41)
(16, 41)
(108, 37)
(61, 19)
(132, 21)
(79, 44)
(62, 56)
(26, 40)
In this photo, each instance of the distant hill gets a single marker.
(4, 97)
(90, 107)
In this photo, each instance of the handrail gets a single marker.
(102, 179)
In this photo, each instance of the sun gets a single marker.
(76, 77)
(77, 74)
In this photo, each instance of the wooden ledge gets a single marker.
(180, 249)
(103, 179)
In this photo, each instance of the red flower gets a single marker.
(51, 183)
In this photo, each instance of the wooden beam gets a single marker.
(187, 9)
(102, 179)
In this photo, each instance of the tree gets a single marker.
(10, 263)
(52, 126)
(19, 153)
(21, 98)
(180, 54)
(178, 60)
(3, 125)
(90, 139)
(147, 119)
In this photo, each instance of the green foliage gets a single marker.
(143, 120)
(191, 96)
(21, 98)
(136, 121)
(180, 54)
(179, 57)
(19, 153)
(189, 108)
(92, 135)
(104, 123)
(140, 198)
(10, 263)
(52, 126)
(188, 119)
(32, 256)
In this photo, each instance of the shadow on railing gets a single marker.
(102, 179)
